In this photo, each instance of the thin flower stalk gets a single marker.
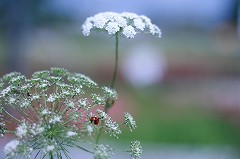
(116, 62)
(125, 24)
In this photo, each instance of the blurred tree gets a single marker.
(17, 18)
(234, 13)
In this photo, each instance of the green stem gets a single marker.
(99, 134)
(109, 102)
(116, 62)
(5, 111)
(50, 155)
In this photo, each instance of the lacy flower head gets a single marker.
(54, 110)
(128, 24)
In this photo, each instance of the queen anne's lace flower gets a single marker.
(52, 115)
(129, 24)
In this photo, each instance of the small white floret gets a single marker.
(89, 129)
(71, 133)
(139, 24)
(112, 28)
(11, 147)
(129, 32)
(50, 148)
(55, 119)
(21, 130)
(99, 21)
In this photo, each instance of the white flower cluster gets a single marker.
(102, 152)
(89, 129)
(53, 97)
(97, 99)
(55, 112)
(110, 93)
(22, 130)
(112, 127)
(11, 148)
(55, 119)
(5, 91)
(84, 103)
(102, 115)
(71, 133)
(129, 24)
(50, 148)
(15, 147)
(25, 129)
(136, 149)
(129, 121)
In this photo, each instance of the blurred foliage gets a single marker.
(33, 12)
(159, 121)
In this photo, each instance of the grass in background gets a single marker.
(161, 122)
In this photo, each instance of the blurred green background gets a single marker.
(193, 99)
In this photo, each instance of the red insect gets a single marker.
(94, 120)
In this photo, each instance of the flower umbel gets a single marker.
(128, 24)
(59, 110)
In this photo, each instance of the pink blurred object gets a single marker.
(143, 66)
